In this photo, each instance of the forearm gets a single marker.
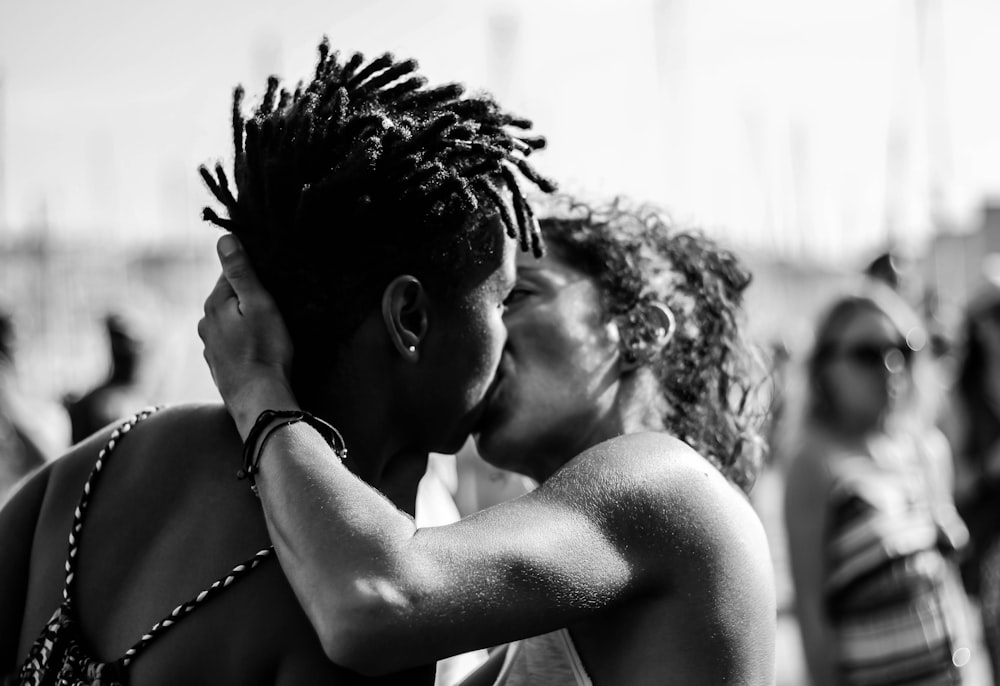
(819, 646)
(339, 541)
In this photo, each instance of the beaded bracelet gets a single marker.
(262, 429)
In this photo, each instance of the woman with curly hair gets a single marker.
(623, 390)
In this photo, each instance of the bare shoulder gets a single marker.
(813, 469)
(159, 442)
(654, 488)
(699, 558)
(174, 428)
(653, 470)
(18, 521)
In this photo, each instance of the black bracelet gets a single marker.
(253, 447)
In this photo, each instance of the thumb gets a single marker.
(236, 268)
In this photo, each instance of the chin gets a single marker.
(499, 446)
(452, 445)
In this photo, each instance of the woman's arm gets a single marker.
(384, 595)
(806, 498)
(17, 530)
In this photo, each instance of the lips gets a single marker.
(494, 390)
(492, 403)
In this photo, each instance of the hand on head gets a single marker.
(247, 347)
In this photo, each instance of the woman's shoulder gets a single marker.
(821, 459)
(660, 480)
(638, 463)
(685, 521)
(653, 464)
(153, 439)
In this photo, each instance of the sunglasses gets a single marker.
(893, 357)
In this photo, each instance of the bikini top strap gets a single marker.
(74, 533)
(181, 610)
(184, 609)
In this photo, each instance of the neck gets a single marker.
(617, 414)
(360, 407)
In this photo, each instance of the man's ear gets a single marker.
(404, 313)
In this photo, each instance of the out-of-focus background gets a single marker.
(810, 136)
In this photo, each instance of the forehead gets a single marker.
(551, 265)
(500, 269)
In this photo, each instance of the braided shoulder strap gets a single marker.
(81, 508)
(182, 610)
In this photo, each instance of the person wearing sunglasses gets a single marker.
(872, 525)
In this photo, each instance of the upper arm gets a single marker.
(806, 514)
(18, 518)
(527, 566)
(600, 531)
(807, 491)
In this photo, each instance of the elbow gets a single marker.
(369, 633)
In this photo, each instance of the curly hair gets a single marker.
(366, 173)
(708, 372)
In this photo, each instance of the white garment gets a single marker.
(436, 507)
(549, 659)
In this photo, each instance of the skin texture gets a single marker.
(179, 467)
(560, 377)
(176, 467)
(655, 562)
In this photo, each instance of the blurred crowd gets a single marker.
(34, 430)
(883, 441)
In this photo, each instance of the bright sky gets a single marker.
(794, 125)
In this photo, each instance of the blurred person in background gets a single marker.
(623, 390)
(378, 209)
(872, 526)
(21, 449)
(972, 425)
(893, 269)
(119, 395)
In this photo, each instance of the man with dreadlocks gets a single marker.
(624, 389)
(384, 216)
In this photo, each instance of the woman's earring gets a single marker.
(648, 330)
(664, 323)
(411, 348)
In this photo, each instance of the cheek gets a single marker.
(559, 365)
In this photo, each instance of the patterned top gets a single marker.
(892, 591)
(57, 656)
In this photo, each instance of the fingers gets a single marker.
(237, 270)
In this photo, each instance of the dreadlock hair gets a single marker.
(363, 174)
(708, 374)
